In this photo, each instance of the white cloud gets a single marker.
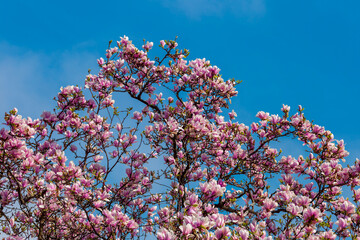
(29, 80)
(198, 8)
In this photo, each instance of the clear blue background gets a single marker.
(286, 52)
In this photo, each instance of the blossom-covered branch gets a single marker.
(82, 171)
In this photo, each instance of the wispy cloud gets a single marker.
(29, 80)
(196, 9)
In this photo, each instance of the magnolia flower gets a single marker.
(294, 209)
(269, 204)
(223, 232)
(312, 215)
(186, 229)
(164, 234)
(162, 43)
(212, 189)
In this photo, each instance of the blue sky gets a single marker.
(286, 52)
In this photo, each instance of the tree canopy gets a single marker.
(174, 165)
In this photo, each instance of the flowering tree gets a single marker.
(81, 171)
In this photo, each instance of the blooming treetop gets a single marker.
(81, 171)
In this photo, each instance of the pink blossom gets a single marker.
(244, 234)
(186, 229)
(285, 108)
(330, 235)
(269, 204)
(212, 189)
(293, 209)
(222, 233)
(73, 148)
(162, 43)
(312, 215)
(164, 234)
(148, 46)
(262, 115)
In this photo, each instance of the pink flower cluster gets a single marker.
(86, 170)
